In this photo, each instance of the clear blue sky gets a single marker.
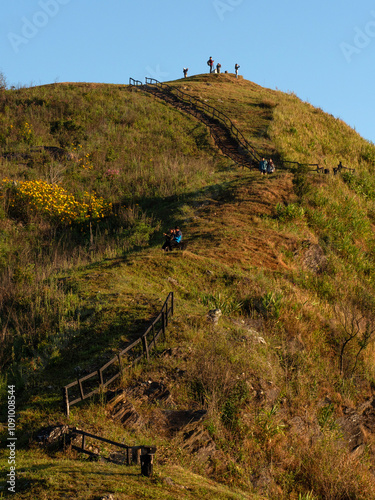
(322, 50)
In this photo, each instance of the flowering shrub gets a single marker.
(53, 202)
(84, 160)
(26, 133)
(111, 173)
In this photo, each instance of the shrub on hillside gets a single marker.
(331, 472)
(3, 81)
(51, 202)
(289, 212)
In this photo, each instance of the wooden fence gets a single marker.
(224, 120)
(85, 387)
(139, 455)
(210, 111)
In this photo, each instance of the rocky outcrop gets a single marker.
(122, 410)
(312, 257)
(357, 425)
(214, 315)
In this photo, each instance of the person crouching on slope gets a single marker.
(168, 240)
(177, 236)
(172, 239)
(270, 166)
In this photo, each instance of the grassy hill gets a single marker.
(91, 175)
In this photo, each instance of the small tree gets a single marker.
(3, 81)
(357, 329)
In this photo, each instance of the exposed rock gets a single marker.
(198, 442)
(169, 482)
(252, 336)
(256, 337)
(150, 392)
(313, 257)
(357, 424)
(178, 419)
(214, 315)
(173, 281)
(121, 409)
(272, 395)
(53, 435)
(297, 426)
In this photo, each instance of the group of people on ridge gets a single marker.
(266, 167)
(173, 239)
(210, 63)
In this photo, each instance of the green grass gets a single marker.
(66, 477)
(72, 296)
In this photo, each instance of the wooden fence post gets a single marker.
(167, 310)
(119, 363)
(153, 334)
(147, 463)
(163, 324)
(145, 347)
(66, 401)
(129, 455)
(80, 389)
(100, 373)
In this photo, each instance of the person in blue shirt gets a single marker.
(263, 166)
(177, 235)
(173, 239)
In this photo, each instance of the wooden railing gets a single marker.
(299, 165)
(134, 82)
(212, 112)
(136, 351)
(139, 455)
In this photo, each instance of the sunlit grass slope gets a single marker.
(289, 259)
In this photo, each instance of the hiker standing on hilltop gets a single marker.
(210, 63)
(236, 67)
(185, 70)
(218, 67)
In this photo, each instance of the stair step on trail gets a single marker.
(222, 136)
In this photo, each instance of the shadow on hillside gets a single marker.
(82, 357)
(170, 210)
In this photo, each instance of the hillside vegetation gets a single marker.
(91, 176)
